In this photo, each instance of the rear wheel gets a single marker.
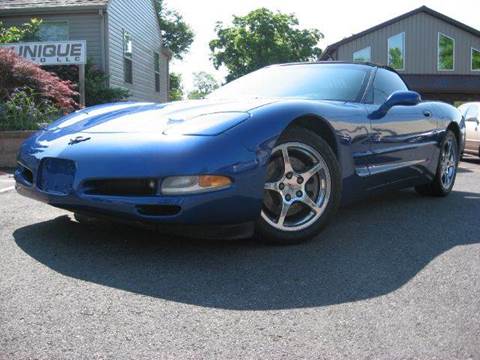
(302, 190)
(444, 179)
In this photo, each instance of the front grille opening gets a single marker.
(159, 210)
(27, 174)
(121, 187)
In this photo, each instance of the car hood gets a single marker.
(134, 117)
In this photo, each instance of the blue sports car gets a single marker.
(273, 153)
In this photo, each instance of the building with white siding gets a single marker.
(123, 38)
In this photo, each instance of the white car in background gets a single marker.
(471, 112)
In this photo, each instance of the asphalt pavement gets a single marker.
(396, 276)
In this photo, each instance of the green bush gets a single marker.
(25, 110)
(17, 72)
(25, 32)
(96, 89)
(29, 95)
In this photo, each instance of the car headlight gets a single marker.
(182, 185)
(207, 125)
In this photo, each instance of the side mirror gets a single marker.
(403, 98)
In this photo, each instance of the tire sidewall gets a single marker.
(266, 232)
(438, 178)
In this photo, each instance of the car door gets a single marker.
(472, 124)
(402, 141)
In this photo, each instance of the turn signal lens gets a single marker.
(209, 181)
(179, 185)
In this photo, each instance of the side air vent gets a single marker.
(159, 210)
(25, 173)
(121, 187)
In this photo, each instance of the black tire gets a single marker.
(265, 232)
(436, 187)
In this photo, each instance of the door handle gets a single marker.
(427, 113)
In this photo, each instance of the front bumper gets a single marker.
(149, 158)
(214, 208)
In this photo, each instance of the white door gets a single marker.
(472, 122)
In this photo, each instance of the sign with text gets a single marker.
(52, 52)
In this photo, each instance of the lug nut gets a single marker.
(299, 194)
(300, 180)
(288, 197)
(289, 175)
(281, 186)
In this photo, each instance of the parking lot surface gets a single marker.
(395, 276)
(6, 182)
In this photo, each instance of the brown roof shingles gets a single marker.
(28, 4)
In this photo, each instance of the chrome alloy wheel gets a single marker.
(298, 187)
(448, 164)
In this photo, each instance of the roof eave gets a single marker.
(326, 54)
(50, 9)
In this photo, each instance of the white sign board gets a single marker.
(52, 52)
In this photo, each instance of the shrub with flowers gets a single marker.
(30, 95)
(25, 111)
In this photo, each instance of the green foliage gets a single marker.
(475, 60)
(446, 53)
(17, 72)
(25, 32)
(26, 110)
(29, 95)
(262, 38)
(176, 87)
(96, 89)
(395, 58)
(204, 84)
(176, 33)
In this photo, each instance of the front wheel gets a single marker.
(302, 189)
(444, 179)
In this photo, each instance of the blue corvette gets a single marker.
(273, 153)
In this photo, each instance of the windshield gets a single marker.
(342, 82)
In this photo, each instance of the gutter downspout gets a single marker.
(102, 37)
(168, 55)
(105, 43)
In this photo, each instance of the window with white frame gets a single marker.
(363, 55)
(54, 31)
(475, 60)
(127, 57)
(396, 51)
(446, 53)
(157, 70)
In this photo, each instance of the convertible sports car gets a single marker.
(273, 153)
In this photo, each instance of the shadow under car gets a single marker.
(371, 248)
